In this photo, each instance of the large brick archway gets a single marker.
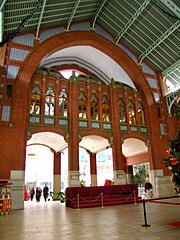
(69, 39)
(80, 38)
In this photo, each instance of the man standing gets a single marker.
(32, 192)
(45, 192)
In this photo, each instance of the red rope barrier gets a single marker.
(155, 201)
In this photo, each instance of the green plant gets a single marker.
(82, 183)
(62, 197)
(173, 161)
(58, 196)
(142, 172)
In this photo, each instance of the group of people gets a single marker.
(38, 193)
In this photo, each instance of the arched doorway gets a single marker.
(39, 167)
(137, 161)
(55, 144)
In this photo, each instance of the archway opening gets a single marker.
(39, 167)
(137, 161)
(104, 163)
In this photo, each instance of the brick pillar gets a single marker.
(2, 57)
(73, 143)
(129, 173)
(43, 98)
(93, 169)
(100, 105)
(118, 159)
(57, 173)
(57, 103)
(126, 107)
(88, 105)
(136, 111)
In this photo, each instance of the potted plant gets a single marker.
(62, 197)
(82, 183)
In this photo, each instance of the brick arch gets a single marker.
(141, 156)
(80, 38)
(97, 133)
(48, 129)
(44, 145)
(136, 136)
(77, 38)
(43, 130)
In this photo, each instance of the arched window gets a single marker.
(35, 105)
(131, 112)
(94, 107)
(122, 112)
(49, 102)
(82, 105)
(105, 109)
(63, 103)
(141, 113)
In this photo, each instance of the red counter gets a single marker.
(83, 196)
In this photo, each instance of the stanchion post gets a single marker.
(145, 219)
(134, 197)
(78, 200)
(102, 200)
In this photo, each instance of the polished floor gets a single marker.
(52, 220)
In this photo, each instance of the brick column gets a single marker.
(126, 107)
(100, 105)
(93, 169)
(88, 105)
(118, 159)
(57, 173)
(73, 143)
(57, 103)
(43, 98)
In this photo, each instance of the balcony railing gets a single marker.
(83, 123)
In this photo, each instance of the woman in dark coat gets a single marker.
(38, 194)
(32, 192)
(45, 192)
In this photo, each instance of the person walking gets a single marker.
(38, 194)
(32, 192)
(45, 192)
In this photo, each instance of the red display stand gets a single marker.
(5, 198)
(98, 196)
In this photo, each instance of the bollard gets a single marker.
(134, 197)
(102, 200)
(78, 200)
(145, 219)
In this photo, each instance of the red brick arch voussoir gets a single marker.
(81, 38)
(49, 129)
(96, 133)
(136, 136)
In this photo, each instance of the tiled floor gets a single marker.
(52, 220)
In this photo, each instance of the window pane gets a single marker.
(63, 104)
(49, 106)
(141, 114)
(35, 103)
(94, 107)
(82, 105)
(122, 113)
(105, 109)
(131, 112)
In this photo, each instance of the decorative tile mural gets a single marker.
(6, 113)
